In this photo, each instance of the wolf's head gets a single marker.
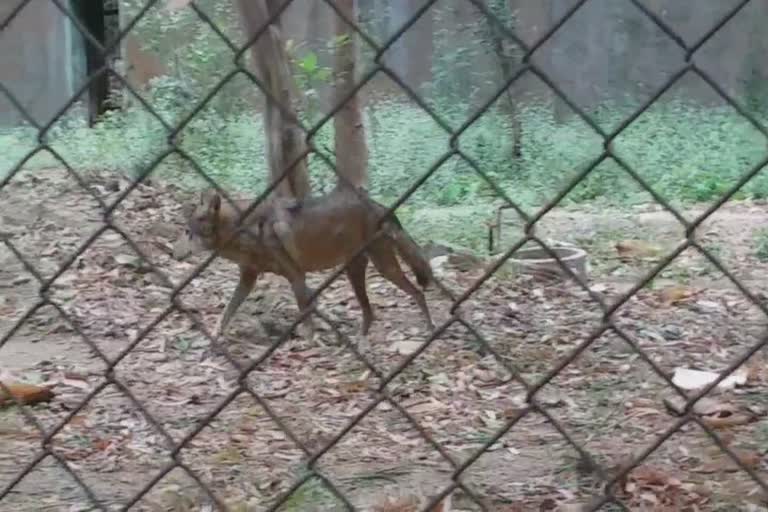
(203, 226)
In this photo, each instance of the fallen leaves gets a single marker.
(93, 445)
(229, 455)
(748, 458)
(714, 413)
(406, 347)
(690, 380)
(727, 417)
(673, 295)
(429, 406)
(27, 394)
(629, 250)
(656, 487)
(450, 391)
(411, 504)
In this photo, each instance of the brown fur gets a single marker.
(291, 239)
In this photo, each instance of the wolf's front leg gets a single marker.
(302, 293)
(243, 289)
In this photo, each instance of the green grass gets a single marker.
(686, 153)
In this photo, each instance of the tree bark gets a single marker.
(349, 142)
(504, 52)
(422, 46)
(284, 136)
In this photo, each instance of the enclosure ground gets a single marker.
(609, 399)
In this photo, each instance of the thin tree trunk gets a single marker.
(284, 137)
(504, 58)
(421, 45)
(349, 144)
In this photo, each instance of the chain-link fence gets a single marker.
(606, 494)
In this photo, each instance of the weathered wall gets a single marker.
(608, 51)
(36, 60)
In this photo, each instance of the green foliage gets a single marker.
(457, 82)
(686, 153)
(458, 226)
(454, 78)
(196, 57)
(309, 76)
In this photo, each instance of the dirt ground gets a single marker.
(135, 388)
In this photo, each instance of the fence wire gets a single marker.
(533, 406)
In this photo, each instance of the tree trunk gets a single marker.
(92, 16)
(284, 137)
(505, 55)
(421, 46)
(349, 144)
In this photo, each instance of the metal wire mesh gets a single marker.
(528, 67)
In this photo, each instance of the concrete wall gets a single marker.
(36, 60)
